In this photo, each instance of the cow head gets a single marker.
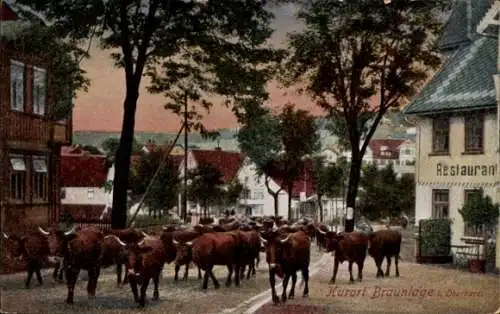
(113, 249)
(183, 250)
(15, 246)
(274, 244)
(135, 258)
(332, 239)
(58, 239)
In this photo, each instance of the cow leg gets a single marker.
(396, 263)
(285, 285)
(71, 277)
(31, 270)
(291, 294)
(144, 287)
(272, 282)
(186, 272)
(92, 283)
(133, 286)
(38, 275)
(257, 261)
(237, 267)
(360, 270)
(205, 279)
(378, 262)
(335, 269)
(199, 273)
(125, 276)
(118, 275)
(156, 280)
(351, 279)
(57, 270)
(305, 277)
(388, 258)
(177, 268)
(230, 274)
(242, 272)
(216, 282)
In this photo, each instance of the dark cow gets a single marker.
(81, 250)
(217, 248)
(250, 252)
(320, 232)
(385, 243)
(34, 249)
(349, 247)
(145, 261)
(285, 257)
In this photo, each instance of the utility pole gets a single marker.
(186, 130)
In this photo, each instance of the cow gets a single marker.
(350, 247)
(285, 257)
(81, 249)
(113, 253)
(250, 252)
(34, 248)
(385, 243)
(145, 261)
(183, 251)
(217, 248)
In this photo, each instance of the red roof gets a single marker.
(304, 183)
(228, 163)
(83, 170)
(385, 148)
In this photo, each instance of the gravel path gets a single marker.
(175, 297)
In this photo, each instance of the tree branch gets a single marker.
(146, 38)
(125, 44)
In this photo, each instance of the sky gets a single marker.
(101, 108)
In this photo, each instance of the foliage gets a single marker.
(62, 61)
(91, 149)
(360, 58)
(435, 237)
(186, 48)
(162, 195)
(383, 194)
(480, 211)
(206, 186)
(110, 146)
(231, 195)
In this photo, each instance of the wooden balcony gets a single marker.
(30, 128)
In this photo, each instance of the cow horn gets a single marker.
(321, 231)
(145, 234)
(72, 231)
(285, 240)
(5, 235)
(141, 243)
(190, 243)
(263, 240)
(120, 241)
(43, 231)
(175, 242)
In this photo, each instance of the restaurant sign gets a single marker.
(465, 170)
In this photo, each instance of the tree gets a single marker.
(110, 146)
(358, 59)
(328, 179)
(231, 194)
(259, 139)
(298, 135)
(222, 38)
(206, 186)
(163, 193)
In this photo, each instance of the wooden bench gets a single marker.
(461, 254)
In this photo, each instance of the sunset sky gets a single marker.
(100, 109)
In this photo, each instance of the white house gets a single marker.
(457, 122)
(83, 179)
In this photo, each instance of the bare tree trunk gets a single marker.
(275, 196)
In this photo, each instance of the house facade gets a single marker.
(457, 122)
(30, 143)
(83, 193)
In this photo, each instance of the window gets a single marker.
(17, 177)
(39, 178)
(474, 124)
(440, 203)
(39, 90)
(90, 194)
(17, 85)
(258, 195)
(440, 135)
(468, 194)
(470, 230)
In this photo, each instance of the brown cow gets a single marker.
(285, 257)
(349, 247)
(113, 253)
(183, 251)
(385, 243)
(217, 248)
(80, 250)
(320, 232)
(34, 248)
(250, 252)
(145, 261)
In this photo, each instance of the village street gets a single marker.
(428, 289)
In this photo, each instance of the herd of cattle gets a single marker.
(234, 243)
